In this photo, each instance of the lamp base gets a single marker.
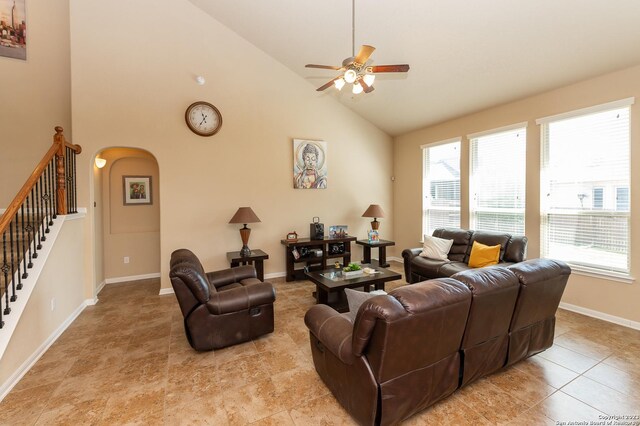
(245, 251)
(375, 224)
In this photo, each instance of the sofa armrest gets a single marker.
(241, 298)
(231, 275)
(332, 329)
(407, 255)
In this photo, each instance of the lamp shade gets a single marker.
(374, 210)
(244, 215)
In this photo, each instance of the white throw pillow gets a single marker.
(436, 248)
(356, 298)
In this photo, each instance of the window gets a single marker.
(587, 154)
(497, 183)
(441, 185)
(598, 198)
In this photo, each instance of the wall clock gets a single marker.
(203, 118)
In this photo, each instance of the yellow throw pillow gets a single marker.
(482, 255)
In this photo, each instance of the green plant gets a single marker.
(352, 267)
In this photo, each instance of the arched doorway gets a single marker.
(127, 216)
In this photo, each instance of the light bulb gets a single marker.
(100, 162)
(339, 83)
(369, 79)
(350, 76)
(357, 88)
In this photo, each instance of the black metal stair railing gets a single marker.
(26, 222)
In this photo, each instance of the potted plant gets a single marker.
(352, 269)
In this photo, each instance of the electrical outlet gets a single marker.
(126, 259)
(53, 304)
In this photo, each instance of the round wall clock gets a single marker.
(203, 118)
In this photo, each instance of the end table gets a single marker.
(257, 257)
(382, 251)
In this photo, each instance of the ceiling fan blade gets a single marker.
(363, 55)
(326, 85)
(324, 67)
(365, 88)
(390, 68)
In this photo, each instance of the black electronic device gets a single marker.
(336, 248)
(316, 229)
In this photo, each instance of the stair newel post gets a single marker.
(61, 179)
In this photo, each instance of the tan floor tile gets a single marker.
(83, 413)
(73, 390)
(601, 397)
(235, 352)
(97, 360)
(194, 408)
(568, 359)
(491, 402)
(578, 343)
(324, 410)
(625, 360)
(551, 373)
(451, 411)
(252, 402)
(279, 419)
(531, 418)
(299, 385)
(25, 406)
(564, 408)
(523, 386)
(284, 360)
(44, 373)
(134, 407)
(620, 380)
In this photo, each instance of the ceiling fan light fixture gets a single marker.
(350, 76)
(339, 83)
(357, 88)
(369, 79)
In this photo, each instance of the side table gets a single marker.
(256, 258)
(381, 245)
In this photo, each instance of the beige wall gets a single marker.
(35, 95)
(129, 230)
(134, 76)
(610, 297)
(61, 279)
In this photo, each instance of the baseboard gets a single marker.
(13, 380)
(275, 275)
(396, 259)
(164, 291)
(131, 278)
(601, 315)
(101, 286)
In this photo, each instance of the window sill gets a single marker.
(594, 273)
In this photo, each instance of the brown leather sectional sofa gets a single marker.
(418, 344)
(513, 249)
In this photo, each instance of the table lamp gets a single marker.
(245, 215)
(374, 211)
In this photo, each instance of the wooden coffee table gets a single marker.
(330, 284)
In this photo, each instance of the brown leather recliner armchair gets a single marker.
(220, 308)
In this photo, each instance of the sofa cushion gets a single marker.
(425, 267)
(461, 241)
(356, 298)
(489, 238)
(516, 250)
(482, 255)
(436, 248)
(451, 268)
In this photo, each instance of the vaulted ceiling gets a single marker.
(464, 55)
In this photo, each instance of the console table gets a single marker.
(314, 262)
(257, 258)
(382, 250)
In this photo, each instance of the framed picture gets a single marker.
(13, 29)
(338, 231)
(136, 190)
(309, 164)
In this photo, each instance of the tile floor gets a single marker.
(126, 361)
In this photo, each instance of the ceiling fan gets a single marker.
(356, 70)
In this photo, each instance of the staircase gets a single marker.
(24, 226)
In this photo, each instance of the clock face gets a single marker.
(203, 118)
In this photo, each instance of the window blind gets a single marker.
(584, 190)
(441, 186)
(497, 184)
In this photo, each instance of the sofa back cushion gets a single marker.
(461, 242)
(516, 250)
(412, 327)
(488, 238)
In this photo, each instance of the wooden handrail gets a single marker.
(57, 150)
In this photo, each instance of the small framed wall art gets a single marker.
(136, 190)
(13, 29)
